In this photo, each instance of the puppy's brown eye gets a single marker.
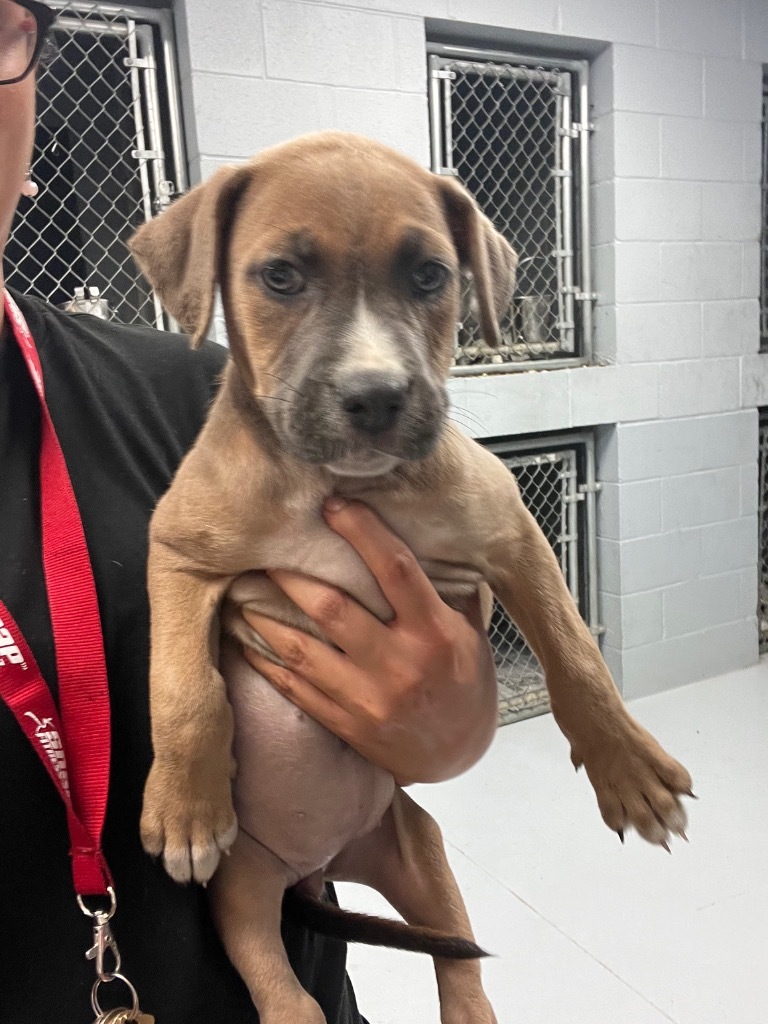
(430, 278)
(283, 278)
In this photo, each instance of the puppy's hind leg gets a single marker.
(404, 859)
(246, 899)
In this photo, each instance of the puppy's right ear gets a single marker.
(180, 252)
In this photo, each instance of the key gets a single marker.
(126, 1016)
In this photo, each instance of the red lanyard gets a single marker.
(73, 746)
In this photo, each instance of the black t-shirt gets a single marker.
(127, 403)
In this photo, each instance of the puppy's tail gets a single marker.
(314, 913)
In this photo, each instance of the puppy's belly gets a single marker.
(300, 791)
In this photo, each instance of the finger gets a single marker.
(304, 695)
(402, 580)
(326, 669)
(340, 618)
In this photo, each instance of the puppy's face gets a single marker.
(339, 266)
(342, 285)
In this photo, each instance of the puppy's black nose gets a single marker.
(373, 401)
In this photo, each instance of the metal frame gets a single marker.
(522, 688)
(764, 232)
(153, 111)
(762, 534)
(573, 256)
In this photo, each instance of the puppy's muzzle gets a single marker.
(373, 401)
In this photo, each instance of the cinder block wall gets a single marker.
(676, 87)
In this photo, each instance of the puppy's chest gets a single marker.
(303, 543)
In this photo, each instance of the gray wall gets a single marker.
(676, 88)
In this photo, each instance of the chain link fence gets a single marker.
(99, 159)
(764, 234)
(762, 610)
(513, 132)
(557, 483)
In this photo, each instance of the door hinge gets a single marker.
(143, 63)
(444, 73)
(594, 488)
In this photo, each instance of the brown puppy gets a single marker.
(339, 262)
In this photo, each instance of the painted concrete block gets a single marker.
(731, 327)
(729, 439)
(701, 26)
(733, 89)
(231, 44)
(649, 210)
(309, 42)
(398, 119)
(524, 15)
(614, 21)
(700, 498)
(701, 270)
(680, 660)
(729, 545)
(653, 562)
(752, 145)
(638, 271)
(637, 144)
(756, 30)
(609, 394)
(633, 619)
(603, 200)
(754, 380)
(657, 81)
(658, 448)
(658, 331)
(237, 117)
(630, 510)
(749, 496)
(750, 273)
(698, 150)
(702, 604)
(731, 211)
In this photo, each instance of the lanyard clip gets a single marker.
(103, 942)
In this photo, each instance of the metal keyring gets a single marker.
(96, 1005)
(104, 915)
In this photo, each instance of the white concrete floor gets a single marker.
(585, 930)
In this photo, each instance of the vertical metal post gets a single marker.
(435, 110)
(168, 40)
(146, 48)
(585, 246)
(573, 526)
(448, 124)
(141, 145)
(566, 159)
(590, 491)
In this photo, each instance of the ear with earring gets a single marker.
(30, 188)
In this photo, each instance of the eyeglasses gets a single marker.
(23, 29)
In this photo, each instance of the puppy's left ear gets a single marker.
(484, 252)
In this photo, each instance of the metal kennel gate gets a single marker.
(762, 604)
(764, 234)
(556, 476)
(108, 155)
(515, 131)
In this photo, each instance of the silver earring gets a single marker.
(30, 188)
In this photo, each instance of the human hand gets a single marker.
(417, 695)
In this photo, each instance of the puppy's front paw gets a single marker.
(636, 782)
(188, 818)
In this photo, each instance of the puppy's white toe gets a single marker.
(205, 860)
(224, 840)
(178, 864)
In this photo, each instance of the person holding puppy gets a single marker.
(94, 420)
